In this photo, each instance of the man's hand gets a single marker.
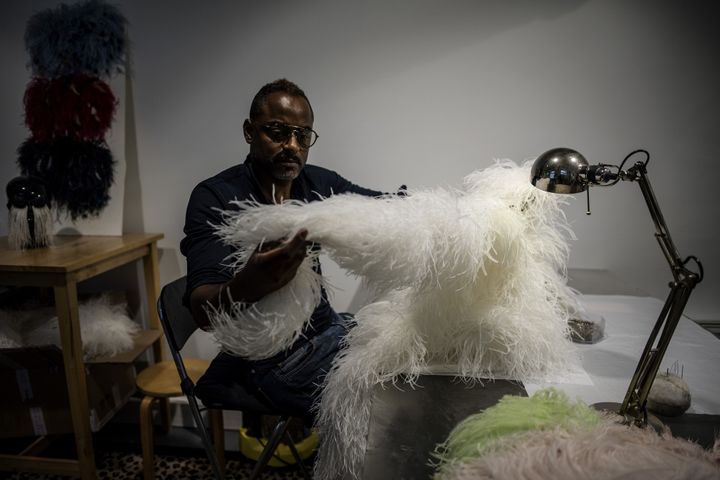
(268, 269)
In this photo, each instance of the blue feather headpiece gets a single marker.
(86, 37)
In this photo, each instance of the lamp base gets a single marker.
(614, 407)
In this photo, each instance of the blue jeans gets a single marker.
(291, 381)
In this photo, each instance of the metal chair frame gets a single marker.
(178, 325)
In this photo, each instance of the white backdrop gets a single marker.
(423, 92)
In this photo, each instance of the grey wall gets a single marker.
(423, 92)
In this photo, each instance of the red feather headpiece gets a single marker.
(76, 106)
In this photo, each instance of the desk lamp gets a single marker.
(563, 170)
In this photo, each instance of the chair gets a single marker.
(178, 325)
(158, 383)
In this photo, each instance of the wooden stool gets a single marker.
(159, 382)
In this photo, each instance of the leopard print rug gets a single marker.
(128, 466)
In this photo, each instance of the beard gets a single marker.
(281, 167)
(285, 167)
(285, 171)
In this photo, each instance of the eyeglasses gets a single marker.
(280, 133)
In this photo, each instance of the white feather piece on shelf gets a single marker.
(473, 277)
(105, 328)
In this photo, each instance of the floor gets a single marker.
(128, 466)
(178, 456)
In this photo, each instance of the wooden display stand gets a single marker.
(62, 266)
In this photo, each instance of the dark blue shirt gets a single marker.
(207, 255)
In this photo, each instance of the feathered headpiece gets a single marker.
(86, 37)
(77, 106)
(78, 173)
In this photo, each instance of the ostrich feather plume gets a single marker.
(472, 277)
(609, 451)
(78, 174)
(85, 37)
(78, 106)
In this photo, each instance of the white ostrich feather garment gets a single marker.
(473, 278)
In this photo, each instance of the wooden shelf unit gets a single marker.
(62, 266)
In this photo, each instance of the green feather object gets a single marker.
(512, 416)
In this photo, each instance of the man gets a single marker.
(279, 132)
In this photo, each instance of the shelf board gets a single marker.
(142, 340)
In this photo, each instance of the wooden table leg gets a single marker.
(146, 437)
(152, 291)
(66, 304)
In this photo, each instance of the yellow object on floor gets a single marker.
(252, 447)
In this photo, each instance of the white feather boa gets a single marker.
(473, 278)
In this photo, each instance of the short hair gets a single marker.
(279, 85)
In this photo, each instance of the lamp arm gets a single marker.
(684, 282)
(639, 173)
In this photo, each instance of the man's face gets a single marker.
(281, 159)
